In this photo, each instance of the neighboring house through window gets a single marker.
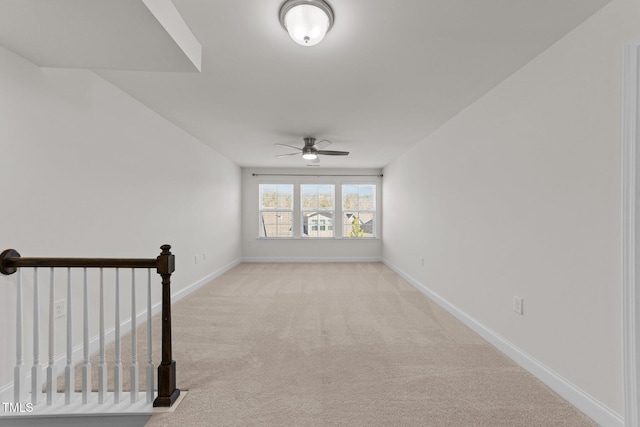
(317, 209)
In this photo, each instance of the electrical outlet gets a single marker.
(421, 261)
(204, 256)
(59, 309)
(517, 305)
(195, 259)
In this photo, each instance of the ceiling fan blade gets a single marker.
(322, 144)
(316, 160)
(287, 155)
(333, 153)
(289, 146)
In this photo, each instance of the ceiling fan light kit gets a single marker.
(306, 21)
(308, 154)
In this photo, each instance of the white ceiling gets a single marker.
(387, 74)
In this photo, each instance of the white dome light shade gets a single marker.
(306, 24)
(306, 21)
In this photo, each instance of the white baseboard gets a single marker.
(574, 395)
(311, 259)
(6, 392)
(200, 283)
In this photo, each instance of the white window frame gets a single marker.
(262, 210)
(374, 212)
(317, 211)
(337, 182)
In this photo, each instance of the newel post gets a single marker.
(167, 391)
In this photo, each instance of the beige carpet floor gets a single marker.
(341, 345)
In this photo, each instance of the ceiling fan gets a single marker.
(312, 149)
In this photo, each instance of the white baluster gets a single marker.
(52, 372)
(20, 371)
(69, 371)
(134, 344)
(86, 366)
(149, 342)
(36, 376)
(102, 369)
(117, 369)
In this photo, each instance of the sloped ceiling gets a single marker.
(114, 34)
(387, 74)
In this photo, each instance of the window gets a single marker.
(276, 210)
(317, 208)
(358, 210)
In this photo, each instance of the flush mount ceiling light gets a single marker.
(306, 21)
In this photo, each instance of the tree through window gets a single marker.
(358, 210)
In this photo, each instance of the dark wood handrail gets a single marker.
(80, 262)
(10, 261)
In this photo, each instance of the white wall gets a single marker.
(255, 249)
(88, 171)
(519, 194)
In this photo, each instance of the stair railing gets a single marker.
(11, 262)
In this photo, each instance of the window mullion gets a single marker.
(297, 220)
(337, 205)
